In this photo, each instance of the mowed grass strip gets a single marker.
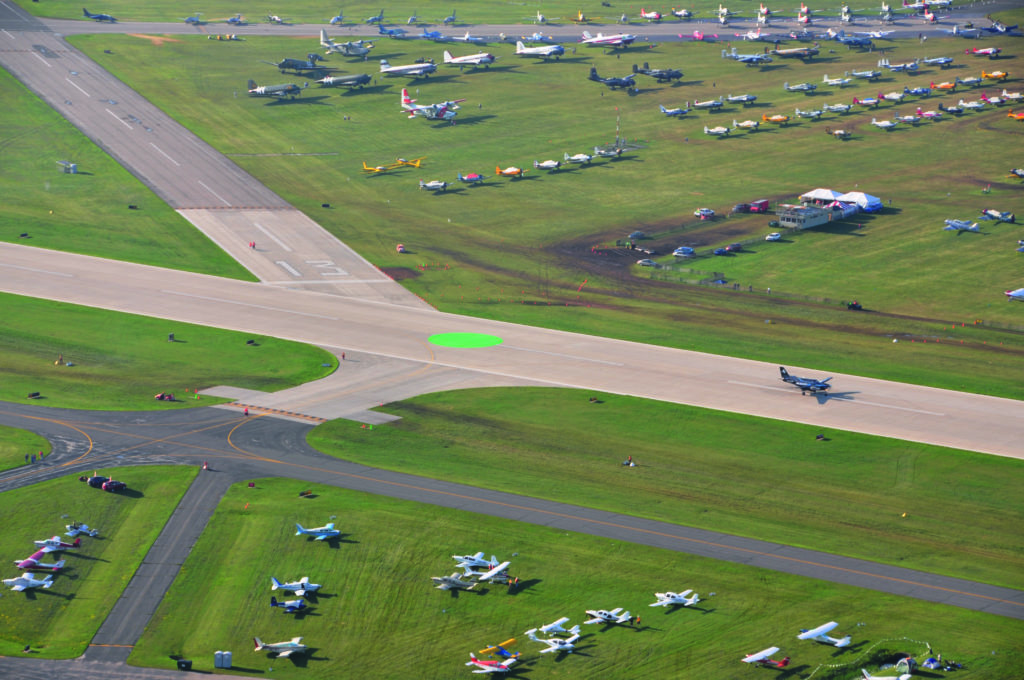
(87, 212)
(726, 472)
(119, 361)
(59, 622)
(16, 444)
(378, 611)
(521, 250)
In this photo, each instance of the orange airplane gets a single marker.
(777, 118)
(995, 75)
(510, 171)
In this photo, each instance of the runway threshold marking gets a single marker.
(291, 270)
(846, 399)
(249, 304)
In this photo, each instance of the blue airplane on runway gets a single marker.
(98, 17)
(806, 385)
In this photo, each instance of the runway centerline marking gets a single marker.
(272, 237)
(38, 271)
(75, 85)
(249, 304)
(846, 399)
(567, 356)
(119, 119)
(164, 154)
(48, 65)
(219, 197)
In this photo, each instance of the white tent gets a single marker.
(866, 202)
(825, 195)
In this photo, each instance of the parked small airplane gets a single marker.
(477, 560)
(992, 214)
(354, 80)
(76, 529)
(467, 38)
(819, 634)
(960, 225)
(301, 67)
(615, 616)
(970, 81)
(408, 70)
(378, 168)
(886, 125)
(337, 20)
(941, 62)
(804, 53)
(300, 587)
(990, 52)
(500, 649)
(876, 35)
(490, 666)
(764, 658)
(910, 119)
(806, 385)
(511, 171)
(549, 165)
(449, 20)
(751, 125)
(581, 158)
(1012, 96)
(653, 15)
(321, 533)
(410, 162)
(1018, 115)
(930, 115)
(836, 82)
(555, 644)
(836, 108)
(98, 17)
(838, 134)
(903, 676)
(800, 87)
(498, 573)
(812, 113)
(754, 59)
(479, 59)
(556, 627)
(866, 75)
(452, 582)
(287, 90)
(443, 111)
(542, 51)
(434, 185)
(679, 111)
(917, 91)
(237, 20)
(27, 581)
(290, 606)
(952, 110)
(670, 599)
(777, 118)
(995, 75)
(707, 104)
(866, 101)
(391, 32)
(892, 96)
(717, 131)
(853, 40)
(1015, 294)
(436, 36)
(359, 48)
(601, 40)
(376, 19)
(194, 20)
(662, 75)
(32, 563)
(626, 82)
(54, 544)
(282, 649)
(905, 67)
(275, 19)
(741, 99)
(974, 105)
(606, 152)
(995, 100)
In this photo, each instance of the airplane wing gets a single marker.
(760, 656)
(18, 587)
(322, 537)
(493, 572)
(285, 654)
(820, 630)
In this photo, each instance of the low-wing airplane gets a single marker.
(806, 385)
(354, 80)
(853, 40)
(54, 544)
(434, 185)
(556, 627)
(836, 108)
(945, 85)
(549, 165)
(653, 15)
(903, 676)
(866, 75)
(76, 529)
(662, 75)
(1015, 294)
(917, 91)
(876, 35)
(286, 90)
(378, 18)
(391, 32)
(800, 87)
(1017, 115)
(973, 105)
(467, 38)
(670, 599)
(970, 81)
(804, 53)
(436, 36)
(449, 20)
(98, 17)
(812, 113)
(764, 658)
(606, 152)
(490, 666)
(892, 96)
(995, 75)
(866, 101)
(276, 19)
(960, 225)
(410, 162)
(681, 13)
(756, 35)
(479, 59)
(910, 119)
(819, 634)
(442, 111)
(359, 48)
(193, 20)
(886, 125)
(500, 649)
(751, 125)
(995, 100)
(408, 70)
(678, 111)
(941, 62)
(717, 131)
(615, 616)
(626, 82)
(1012, 96)
(905, 67)
(601, 40)
(741, 99)
(300, 66)
(321, 533)
(836, 82)
(452, 582)
(337, 20)
(282, 649)
(32, 562)
(952, 110)
(300, 587)
(477, 560)
(992, 214)
(777, 118)
(749, 59)
(990, 52)
(511, 171)
(27, 581)
(930, 115)
(237, 20)
(581, 158)
(290, 606)
(838, 134)
(707, 104)
(542, 51)
(555, 644)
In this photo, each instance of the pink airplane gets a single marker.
(32, 562)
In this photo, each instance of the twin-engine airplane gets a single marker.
(806, 385)
(670, 599)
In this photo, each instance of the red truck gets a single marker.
(760, 206)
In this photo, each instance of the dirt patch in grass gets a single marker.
(157, 40)
(400, 273)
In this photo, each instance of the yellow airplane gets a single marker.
(995, 75)
(500, 650)
(414, 163)
(379, 168)
(777, 118)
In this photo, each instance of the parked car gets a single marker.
(647, 263)
(97, 482)
(734, 247)
(704, 213)
(741, 208)
(683, 251)
(114, 485)
(638, 235)
(721, 251)
(774, 236)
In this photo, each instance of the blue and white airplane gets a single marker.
(321, 533)
(391, 32)
(98, 17)
(806, 385)
(300, 587)
(679, 111)
(282, 649)
(290, 606)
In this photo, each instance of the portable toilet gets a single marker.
(218, 659)
(227, 660)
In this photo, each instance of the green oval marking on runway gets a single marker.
(465, 340)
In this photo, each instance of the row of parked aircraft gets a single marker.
(34, 562)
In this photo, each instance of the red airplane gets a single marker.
(764, 658)
(490, 666)
(53, 544)
(990, 52)
(32, 562)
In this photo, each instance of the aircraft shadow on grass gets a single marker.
(792, 671)
(772, 67)
(469, 120)
(83, 556)
(437, 78)
(844, 228)
(316, 99)
(353, 91)
(851, 648)
(456, 593)
(525, 585)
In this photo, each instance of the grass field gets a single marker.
(724, 472)
(87, 213)
(485, 250)
(378, 615)
(61, 621)
(15, 443)
(120, 361)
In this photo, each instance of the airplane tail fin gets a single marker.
(447, 57)
(635, 69)
(593, 73)
(78, 542)
(586, 34)
(58, 566)
(273, 601)
(520, 47)
(252, 84)
(275, 583)
(299, 530)
(784, 372)
(258, 643)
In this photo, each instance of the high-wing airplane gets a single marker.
(54, 544)
(409, 70)
(601, 40)
(300, 587)
(477, 560)
(819, 634)
(1015, 294)
(806, 385)
(804, 53)
(287, 90)
(391, 32)
(376, 19)
(498, 573)
(653, 15)
(443, 111)
(836, 108)
(764, 658)
(354, 80)
(282, 649)
(836, 82)
(549, 165)
(434, 185)
(749, 59)
(741, 99)
(452, 582)
(26, 581)
(511, 171)
(626, 82)
(479, 59)
(707, 104)
(777, 118)
(450, 19)
(670, 599)
(615, 616)
(581, 158)
(467, 38)
(290, 606)
(98, 17)
(903, 676)
(321, 533)
(812, 113)
(662, 75)
(960, 225)
(32, 563)
(542, 51)
(500, 649)
(359, 48)
(800, 87)
(679, 111)
(990, 52)
(490, 666)
(76, 529)
(555, 644)
(717, 131)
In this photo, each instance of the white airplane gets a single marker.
(838, 134)
(337, 20)
(321, 533)
(681, 13)
(930, 115)
(1015, 294)
(290, 606)
(490, 666)
(866, 101)
(411, 70)
(764, 658)
(679, 111)
(608, 617)
(359, 48)
(614, 152)
(976, 105)
(479, 59)
(906, 66)
(300, 587)
(910, 119)
(756, 35)
(960, 225)
(477, 560)
(866, 75)
(1012, 96)
(836, 82)
(26, 581)
(542, 51)
(836, 108)
(893, 96)
(549, 165)
(717, 131)
(601, 40)
(434, 185)
(275, 19)
(76, 529)
(54, 544)
(883, 124)
(918, 5)
(745, 125)
(653, 15)
(498, 573)
(282, 649)
(561, 645)
(707, 104)
(541, 19)
(556, 627)
(904, 676)
(32, 563)
(813, 114)
(453, 581)
(670, 599)
(581, 158)
(724, 11)
(741, 99)
(467, 38)
(875, 35)
(970, 81)
(800, 87)
(443, 111)
(819, 634)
